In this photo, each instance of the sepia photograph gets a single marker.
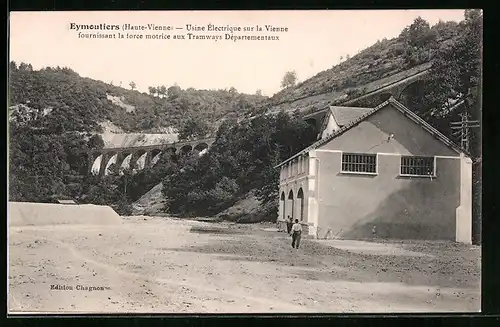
(283, 162)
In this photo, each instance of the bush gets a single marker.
(123, 208)
(241, 159)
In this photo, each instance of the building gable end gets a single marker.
(402, 109)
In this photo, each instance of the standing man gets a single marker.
(296, 233)
(289, 224)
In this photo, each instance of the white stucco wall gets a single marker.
(464, 211)
(331, 127)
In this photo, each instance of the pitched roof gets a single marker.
(405, 111)
(345, 115)
(341, 115)
(316, 113)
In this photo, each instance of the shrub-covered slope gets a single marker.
(88, 101)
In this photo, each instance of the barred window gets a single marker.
(417, 166)
(359, 163)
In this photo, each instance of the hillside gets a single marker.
(384, 62)
(165, 110)
(104, 107)
(236, 178)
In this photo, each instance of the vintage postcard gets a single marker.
(245, 162)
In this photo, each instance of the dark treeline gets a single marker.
(241, 159)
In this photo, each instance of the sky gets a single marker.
(315, 41)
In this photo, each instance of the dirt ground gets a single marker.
(159, 265)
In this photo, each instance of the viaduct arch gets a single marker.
(107, 160)
(396, 89)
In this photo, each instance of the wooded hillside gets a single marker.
(417, 44)
(88, 101)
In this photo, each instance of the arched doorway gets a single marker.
(300, 196)
(291, 203)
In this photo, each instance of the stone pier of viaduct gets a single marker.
(139, 157)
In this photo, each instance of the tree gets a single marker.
(258, 92)
(194, 128)
(454, 76)
(457, 70)
(446, 30)
(41, 161)
(419, 39)
(418, 32)
(152, 90)
(95, 142)
(270, 190)
(174, 92)
(103, 191)
(13, 66)
(132, 85)
(163, 90)
(241, 159)
(289, 79)
(25, 67)
(158, 91)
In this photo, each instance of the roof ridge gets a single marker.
(317, 112)
(335, 134)
(333, 114)
(428, 126)
(350, 108)
(324, 124)
(399, 106)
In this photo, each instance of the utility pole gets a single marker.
(463, 128)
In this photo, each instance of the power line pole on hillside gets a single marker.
(463, 128)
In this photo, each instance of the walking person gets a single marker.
(296, 233)
(289, 224)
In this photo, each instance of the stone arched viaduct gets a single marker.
(395, 89)
(139, 157)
